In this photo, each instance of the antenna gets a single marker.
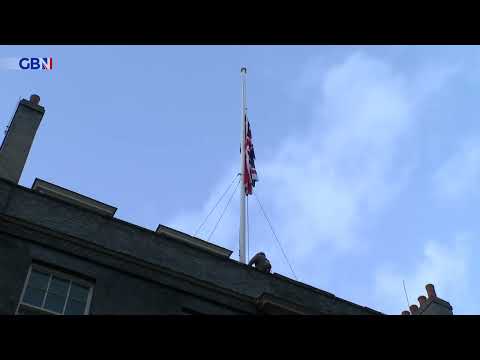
(405, 289)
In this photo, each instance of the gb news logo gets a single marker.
(34, 63)
(27, 63)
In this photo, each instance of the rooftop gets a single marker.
(67, 212)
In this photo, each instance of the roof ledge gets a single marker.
(55, 191)
(193, 241)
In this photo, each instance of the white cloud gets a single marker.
(324, 186)
(339, 173)
(443, 264)
(459, 176)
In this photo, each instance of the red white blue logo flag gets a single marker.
(249, 171)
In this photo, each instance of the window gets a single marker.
(51, 292)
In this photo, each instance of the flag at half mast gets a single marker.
(249, 172)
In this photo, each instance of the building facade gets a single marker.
(64, 253)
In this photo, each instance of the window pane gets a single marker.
(54, 302)
(75, 307)
(78, 292)
(58, 286)
(38, 280)
(33, 296)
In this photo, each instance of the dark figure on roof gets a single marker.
(261, 262)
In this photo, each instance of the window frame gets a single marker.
(64, 276)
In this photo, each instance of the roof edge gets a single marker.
(58, 192)
(193, 241)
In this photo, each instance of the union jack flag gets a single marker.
(249, 171)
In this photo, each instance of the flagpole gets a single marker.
(243, 71)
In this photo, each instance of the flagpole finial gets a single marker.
(243, 69)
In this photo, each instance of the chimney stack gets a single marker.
(432, 305)
(413, 309)
(35, 99)
(430, 291)
(19, 138)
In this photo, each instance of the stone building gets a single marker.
(64, 253)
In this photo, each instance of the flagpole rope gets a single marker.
(275, 235)
(225, 209)
(218, 202)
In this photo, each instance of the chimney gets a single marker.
(422, 300)
(19, 138)
(430, 291)
(433, 305)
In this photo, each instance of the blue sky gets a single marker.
(368, 157)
